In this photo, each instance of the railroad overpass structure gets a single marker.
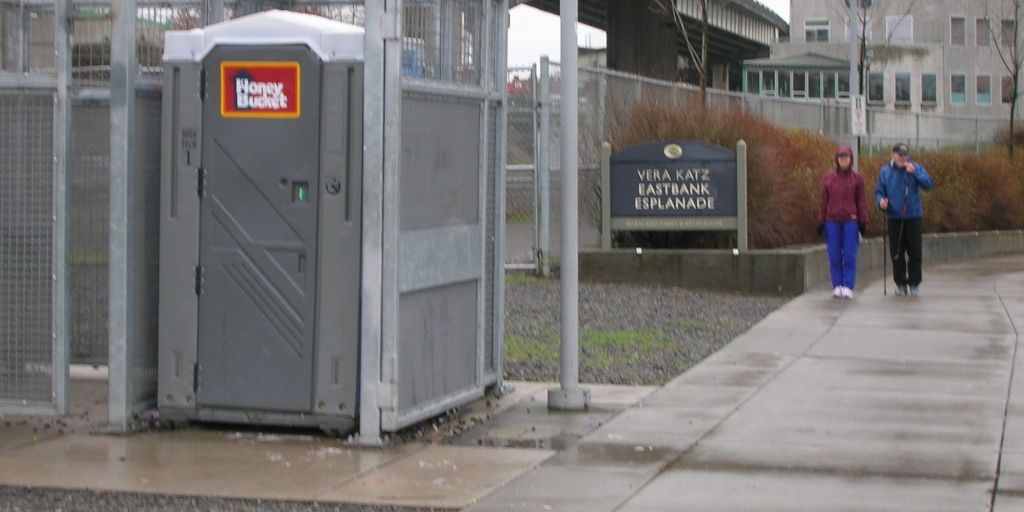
(643, 41)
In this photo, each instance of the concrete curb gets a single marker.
(785, 271)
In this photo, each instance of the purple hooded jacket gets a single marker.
(842, 194)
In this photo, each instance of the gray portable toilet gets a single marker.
(262, 281)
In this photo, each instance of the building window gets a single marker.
(844, 84)
(958, 89)
(1007, 89)
(814, 85)
(799, 84)
(1006, 34)
(784, 84)
(816, 31)
(957, 31)
(754, 82)
(983, 35)
(899, 29)
(984, 90)
(876, 88)
(928, 92)
(830, 85)
(768, 83)
(863, 27)
(903, 88)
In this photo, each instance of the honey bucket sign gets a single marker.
(260, 89)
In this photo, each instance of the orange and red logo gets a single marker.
(259, 89)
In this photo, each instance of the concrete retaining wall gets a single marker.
(788, 271)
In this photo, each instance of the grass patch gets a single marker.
(520, 218)
(521, 279)
(639, 340)
(543, 349)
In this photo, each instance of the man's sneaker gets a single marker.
(837, 292)
(847, 293)
(901, 290)
(913, 290)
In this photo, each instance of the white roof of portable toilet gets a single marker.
(331, 40)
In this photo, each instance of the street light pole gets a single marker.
(569, 397)
(854, 75)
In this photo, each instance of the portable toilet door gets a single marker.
(271, 329)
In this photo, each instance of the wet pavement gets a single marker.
(882, 403)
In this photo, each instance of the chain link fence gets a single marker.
(607, 96)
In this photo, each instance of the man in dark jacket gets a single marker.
(897, 193)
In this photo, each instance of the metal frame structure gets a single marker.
(130, 314)
(24, 82)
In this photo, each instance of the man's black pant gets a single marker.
(905, 250)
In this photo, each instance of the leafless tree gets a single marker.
(1007, 43)
(696, 44)
(867, 12)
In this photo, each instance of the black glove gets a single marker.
(863, 228)
(820, 229)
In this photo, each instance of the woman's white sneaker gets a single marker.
(847, 293)
(837, 292)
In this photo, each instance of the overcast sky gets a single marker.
(533, 33)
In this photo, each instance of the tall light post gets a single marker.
(569, 396)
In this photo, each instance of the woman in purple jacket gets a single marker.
(843, 219)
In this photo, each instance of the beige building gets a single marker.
(928, 56)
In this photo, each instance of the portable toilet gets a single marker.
(288, 295)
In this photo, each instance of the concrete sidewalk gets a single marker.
(882, 403)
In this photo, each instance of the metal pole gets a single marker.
(570, 396)
(544, 170)
(741, 197)
(213, 12)
(123, 72)
(854, 76)
(606, 200)
(61, 218)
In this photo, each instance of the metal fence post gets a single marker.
(544, 170)
(123, 71)
(213, 12)
(535, 133)
(606, 199)
(741, 196)
(602, 91)
(61, 209)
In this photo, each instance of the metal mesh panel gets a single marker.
(466, 41)
(241, 8)
(26, 246)
(144, 230)
(421, 39)
(351, 13)
(490, 359)
(153, 19)
(26, 37)
(521, 160)
(90, 49)
(89, 197)
(40, 40)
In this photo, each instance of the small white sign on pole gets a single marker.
(858, 115)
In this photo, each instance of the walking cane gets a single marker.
(885, 253)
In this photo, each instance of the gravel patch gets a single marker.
(18, 499)
(629, 334)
